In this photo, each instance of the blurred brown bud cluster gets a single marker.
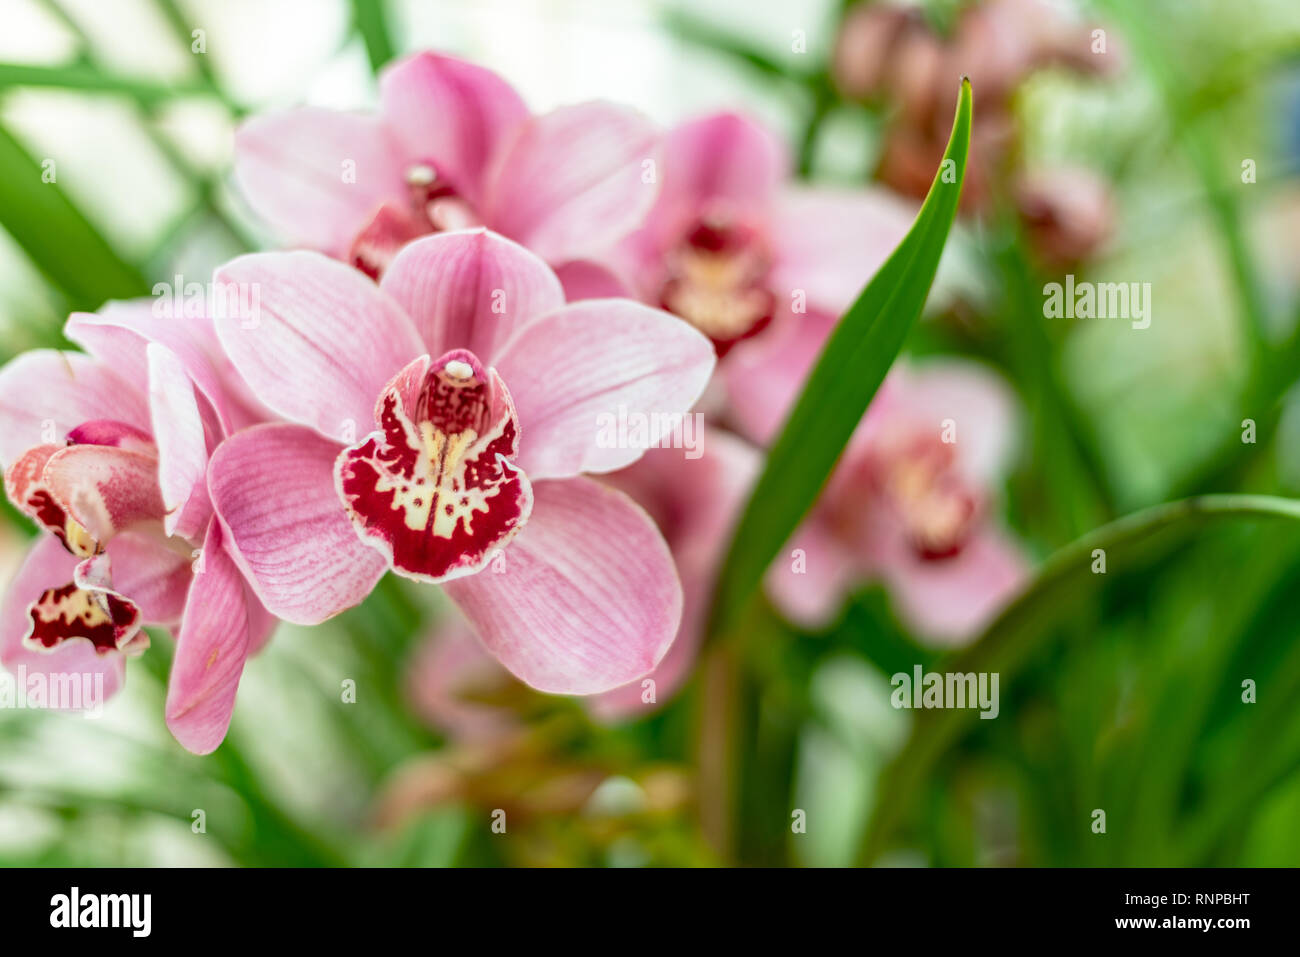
(888, 52)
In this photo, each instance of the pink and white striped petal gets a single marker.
(596, 358)
(585, 599)
(470, 290)
(323, 343)
(273, 489)
(211, 649)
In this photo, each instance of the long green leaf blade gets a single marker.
(57, 237)
(852, 365)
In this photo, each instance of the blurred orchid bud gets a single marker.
(1068, 213)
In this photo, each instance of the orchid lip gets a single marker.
(435, 488)
(86, 609)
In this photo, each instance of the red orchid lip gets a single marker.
(86, 609)
(435, 488)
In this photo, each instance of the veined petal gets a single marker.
(585, 599)
(182, 445)
(317, 175)
(470, 290)
(210, 651)
(577, 370)
(44, 394)
(120, 332)
(450, 114)
(273, 488)
(48, 565)
(435, 489)
(323, 342)
(573, 182)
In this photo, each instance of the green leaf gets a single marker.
(57, 237)
(370, 17)
(850, 369)
(1065, 580)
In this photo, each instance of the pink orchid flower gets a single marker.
(760, 266)
(108, 452)
(910, 503)
(486, 390)
(694, 502)
(453, 146)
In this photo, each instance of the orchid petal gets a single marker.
(574, 181)
(323, 342)
(211, 649)
(575, 371)
(585, 599)
(450, 114)
(317, 176)
(470, 290)
(44, 394)
(273, 489)
(182, 445)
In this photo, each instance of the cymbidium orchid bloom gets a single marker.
(911, 503)
(760, 266)
(694, 502)
(107, 451)
(485, 390)
(453, 146)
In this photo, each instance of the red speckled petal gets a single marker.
(435, 489)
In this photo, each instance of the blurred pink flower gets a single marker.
(108, 452)
(452, 146)
(910, 504)
(486, 390)
(744, 255)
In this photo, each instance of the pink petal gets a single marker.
(810, 588)
(981, 406)
(451, 667)
(951, 600)
(434, 489)
(470, 290)
(182, 445)
(273, 489)
(766, 373)
(317, 176)
(574, 181)
(49, 565)
(119, 334)
(153, 572)
(450, 114)
(829, 243)
(105, 489)
(210, 651)
(723, 162)
(323, 343)
(590, 365)
(44, 394)
(584, 600)
(585, 279)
